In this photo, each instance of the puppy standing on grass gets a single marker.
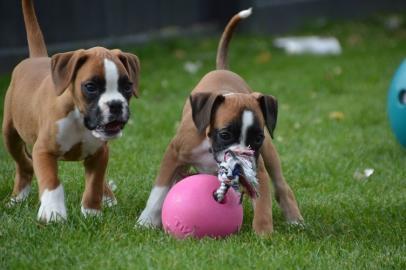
(66, 107)
(223, 113)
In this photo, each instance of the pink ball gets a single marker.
(190, 209)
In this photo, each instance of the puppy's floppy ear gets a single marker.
(203, 108)
(64, 67)
(131, 64)
(269, 108)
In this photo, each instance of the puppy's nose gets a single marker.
(116, 107)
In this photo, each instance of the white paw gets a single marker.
(297, 223)
(109, 201)
(52, 206)
(89, 212)
(151, 216)
(149, 219)
(22, 196)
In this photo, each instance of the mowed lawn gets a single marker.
(332, 122)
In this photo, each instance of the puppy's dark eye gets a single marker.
(128, 87)
(225, 136)
(90, 88)
(259, 139)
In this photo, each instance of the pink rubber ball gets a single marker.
(191, 210)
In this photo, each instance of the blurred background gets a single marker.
(68, 25)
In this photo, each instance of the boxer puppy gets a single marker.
(223, 113)
(66, 107)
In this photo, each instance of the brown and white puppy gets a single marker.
(66, 107)
(223, 112)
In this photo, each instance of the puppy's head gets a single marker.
(234, 120)
(102, 83)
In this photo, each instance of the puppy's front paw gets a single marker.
(150, 219)
(89, 212)
(262, 227)
(52, 207)
(109, 201)
(295, 219)
(300, 224)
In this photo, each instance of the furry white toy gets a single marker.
(237, 168)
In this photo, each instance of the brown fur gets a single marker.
(44, 90)
(222, 51)
(181, 152)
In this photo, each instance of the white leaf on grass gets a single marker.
(309, 44)
(363, 174)
(192, 67)
(393, 22)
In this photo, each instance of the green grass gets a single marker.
(349, 223)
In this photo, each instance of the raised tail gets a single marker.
(36, 43)
(221, 60)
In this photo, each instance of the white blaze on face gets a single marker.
(247, 121)
(112, 93)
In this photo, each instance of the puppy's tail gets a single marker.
(221, 60)
(36, 43)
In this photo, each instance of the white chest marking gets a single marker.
(247, 121)
(72, 131)
(202, 159)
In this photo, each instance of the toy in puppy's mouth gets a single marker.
(238, 167)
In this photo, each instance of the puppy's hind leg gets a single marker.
(23, 163)
(109, 199)
(284, 194)
(171, 171)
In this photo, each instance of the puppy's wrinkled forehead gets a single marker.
(104, 66)
(233, 107)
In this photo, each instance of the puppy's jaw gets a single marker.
(99, 134)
